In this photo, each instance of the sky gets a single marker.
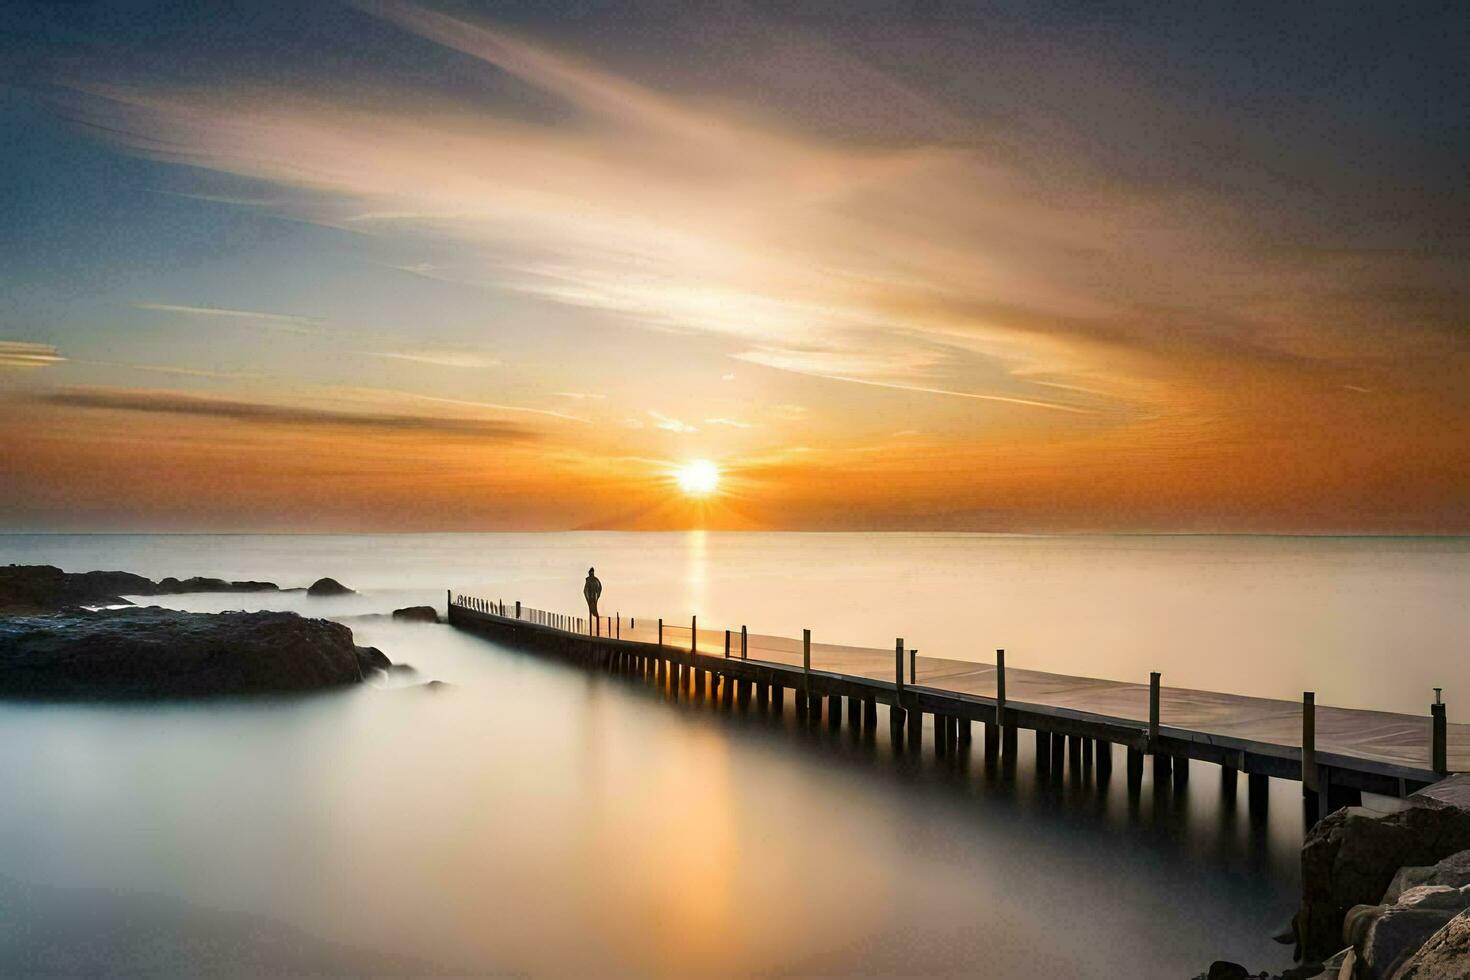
(1008, 267)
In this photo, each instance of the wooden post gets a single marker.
(1439, 741)
(744, 643)
(1000, 688)
(898, 670)
(914, 666)
(620, 625)
(693, 634)
(806, 657)
(1309, 742)
(660, 632)
(1153, 710)
(727, 644)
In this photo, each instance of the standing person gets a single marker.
(591, 590)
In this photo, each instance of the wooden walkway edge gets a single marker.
(1335, 753)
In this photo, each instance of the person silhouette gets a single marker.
(592, 590)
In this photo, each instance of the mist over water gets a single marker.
(531, 817)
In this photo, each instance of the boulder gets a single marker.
(1226, 970)
(1351, 857)
(371, 659)
(1445, 956)
(1453, 871)
(417, 614)
(328, 587)
(1384, 937)
(144, 653)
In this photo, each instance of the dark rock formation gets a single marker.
(160, 653)
(1446, 956)
(371, 659)
(417, 614)
(33, 589)
(1384, 937)
(328, 586)
(1351, 857)
(173, 586)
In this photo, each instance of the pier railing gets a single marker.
(1307, 731)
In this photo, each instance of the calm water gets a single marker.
(534, 818)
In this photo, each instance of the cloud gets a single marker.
(276, 319)
(25, 354)
(669, 424)
(579, 395)
(732, 423)
(177, 403)
(441, 358)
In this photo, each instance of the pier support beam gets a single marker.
(778, 699)
(1135, 768)
(870, 714)
(1043, 752)
(834, 712)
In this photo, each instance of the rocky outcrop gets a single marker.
(1445, 956)
(1385, 937)
(33, 589)
(1353, 855)
(417, 614)
(328, 587)
(173, 586)
(145, 653)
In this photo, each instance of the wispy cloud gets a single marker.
(670, 424)
(732, 423)
(274, 319)
(442, 358)
(264, 413)
(579, 395)
(25, 354)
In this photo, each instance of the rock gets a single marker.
(1445, 956)
(146, 653)
(328, 587)
(1384, 937)
(417, 614)
(1453, 871)
(371, 658)
(1225, 970)
(1351, 856)
(35, 589)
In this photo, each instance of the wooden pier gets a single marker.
(1336, 753)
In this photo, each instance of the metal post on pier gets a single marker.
(1439, 739)
(1153, 709)
(693, 634)
(518, 609)
(744, 643)
(806, 656)
(914, 666)
(727, 644)
(1309, 743)
(660, 632)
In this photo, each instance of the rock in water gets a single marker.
(161, 653)
(36, 589)
(328, 586)
(417, 614)
(1352, 855)
(1226, 970)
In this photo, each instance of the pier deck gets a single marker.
(1353, 749)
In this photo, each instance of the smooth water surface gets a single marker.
(534, 818)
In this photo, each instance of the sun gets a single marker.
(698, 478)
